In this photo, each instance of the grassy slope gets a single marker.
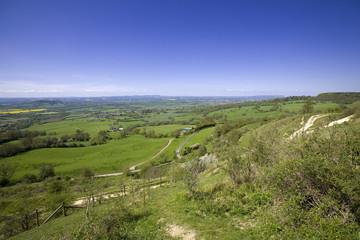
(297, 106)
(48, 231)
(171, 204)
(107, 158)
(251, 112)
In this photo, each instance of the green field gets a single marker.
(69, 127)
(246, 112)
(108, 158)
(165, 116)
(200, 136)
(295, 107)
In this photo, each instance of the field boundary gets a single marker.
(133, 168)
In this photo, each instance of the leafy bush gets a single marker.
(86, 173)
(239, 169)
(4, 181)
(100, 138)
(319, 180)
(192, 169)
(29, 178)
(46, 171)
(55, 187)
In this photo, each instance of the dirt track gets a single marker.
(311, 121)
(308, 125)
(340, 121)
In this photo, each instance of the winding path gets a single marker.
(134, 167)
(308, 125)
(178, 149)
(340, 121)
(311, 121)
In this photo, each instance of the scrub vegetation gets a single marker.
(240, 175)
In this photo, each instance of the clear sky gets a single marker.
(53, 48)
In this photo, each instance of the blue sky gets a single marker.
(178, 47)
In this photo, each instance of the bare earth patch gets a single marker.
(340, 121)
(308, 125)
(244, 224)
(180, 232)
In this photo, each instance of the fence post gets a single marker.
(87, 208)
(144, 191)
(160, 180)
(124, 190)
(37, 217)
(148, 189)
(133, 192)
(64, 209)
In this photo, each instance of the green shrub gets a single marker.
(4, 181)
(318, 185)
(55, 187)
(46, 171)
(29, 178)
(86, 173)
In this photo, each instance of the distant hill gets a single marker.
(49, 102)
(137, 98)
(339, 97)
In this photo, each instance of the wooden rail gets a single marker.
(62, 206)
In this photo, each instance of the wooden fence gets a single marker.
(145, 188)
(62, 207)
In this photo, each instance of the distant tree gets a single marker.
(150, 134)
(192, 169)
(202, 150)
(46, 171)
(80, 136)
(9, 149)
(120, 135)
(6, 172)
(64, 138)
(176, 134)
(307, 108)
(175, 172)
(100, 138)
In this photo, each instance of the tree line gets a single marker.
(34, 140)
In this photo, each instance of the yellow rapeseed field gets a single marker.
(15, 111)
